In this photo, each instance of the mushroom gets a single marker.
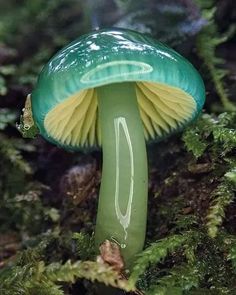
(114, 89)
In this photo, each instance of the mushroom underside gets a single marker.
(163, 109)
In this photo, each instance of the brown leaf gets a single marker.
(187, 210)
(200, 168)
(28, 121)
(110, 253)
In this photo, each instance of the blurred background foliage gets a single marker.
(48, 197)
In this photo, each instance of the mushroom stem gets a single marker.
(122, 208)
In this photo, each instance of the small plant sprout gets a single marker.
(117, 89)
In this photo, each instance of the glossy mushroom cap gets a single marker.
(169, 90)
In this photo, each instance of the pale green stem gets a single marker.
(122, 209)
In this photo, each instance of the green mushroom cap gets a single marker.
(170, 92)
